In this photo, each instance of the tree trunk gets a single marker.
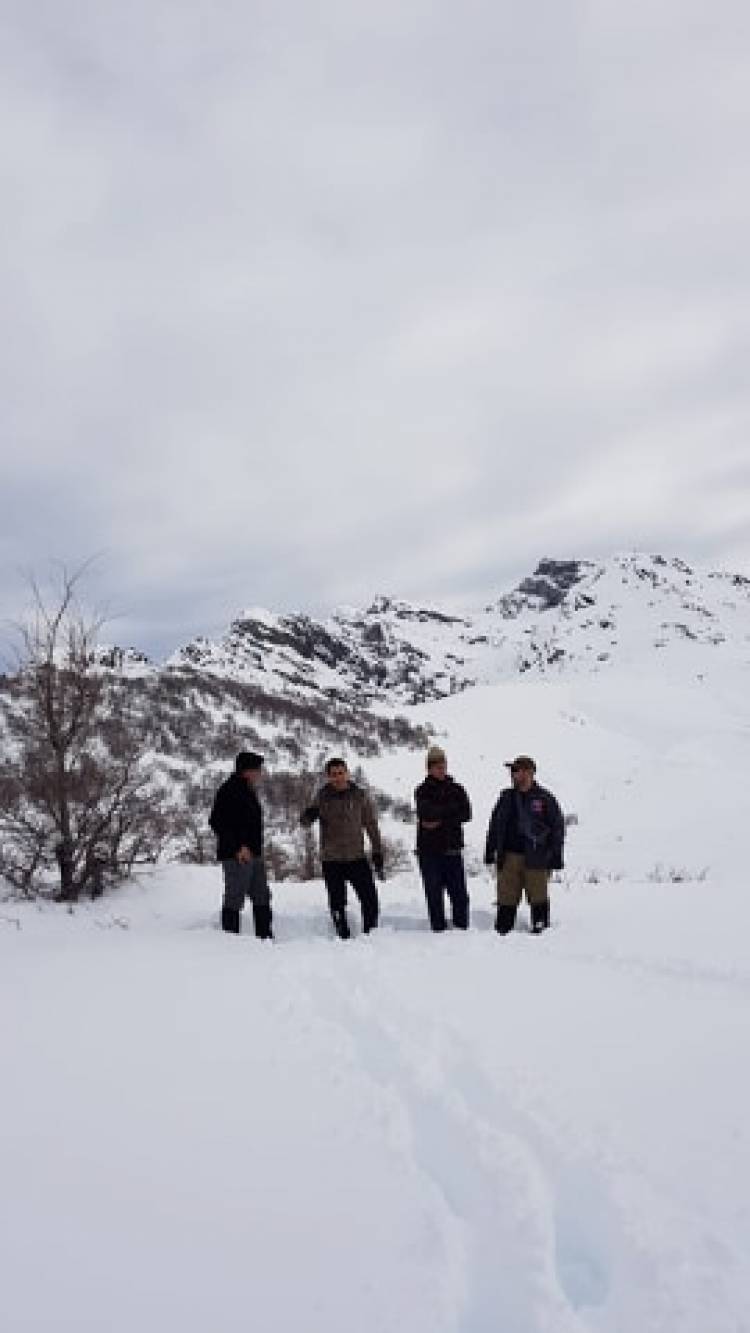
(64, 853)
(65, 850)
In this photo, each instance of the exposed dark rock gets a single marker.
(546, 588)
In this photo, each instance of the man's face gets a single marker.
(522, 778)
(338, 776)
(438, 769)
(253, 776)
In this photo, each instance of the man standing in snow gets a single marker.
(442, 809)
(525, 842)
(237, 820)
(346, 812)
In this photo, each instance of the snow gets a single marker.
(618, 611)
(438, 1133)
(452, 1134)
(402, 1131)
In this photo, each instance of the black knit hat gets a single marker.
(246, 760)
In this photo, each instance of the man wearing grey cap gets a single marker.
(525, 842)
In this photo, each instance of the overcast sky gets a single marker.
(304, 301)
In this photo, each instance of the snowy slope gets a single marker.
(568, 615)
(296, 687)
(653, 766)
(448, 1135)
(457, 1134)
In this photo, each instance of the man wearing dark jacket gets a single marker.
(346, 813)
(525, 842)
(237, 820)
(442, 809)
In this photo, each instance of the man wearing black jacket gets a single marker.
(525, 842)
(442, 809)
(237, 820)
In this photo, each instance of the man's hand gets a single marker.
(244, 855)
(431, 823)
(377, 864)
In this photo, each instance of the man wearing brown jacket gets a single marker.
(346, 812)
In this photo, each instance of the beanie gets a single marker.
(246, 760)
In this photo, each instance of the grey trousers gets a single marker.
(245, 879)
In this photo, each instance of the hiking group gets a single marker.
(524, 842)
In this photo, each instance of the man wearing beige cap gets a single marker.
(442, 809)
(525, 842)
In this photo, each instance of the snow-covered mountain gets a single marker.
(374, 684)
(446, 1135)
(568, 615)
(539, 1134)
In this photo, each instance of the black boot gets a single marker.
(341, 924)
(539, 917)
(460, 914)
(230, 920)
(505, 919)
(369, 919)
(263, 920)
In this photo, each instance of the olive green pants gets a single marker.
(514, 878)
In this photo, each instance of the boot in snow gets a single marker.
(505, 919)
(539, 917)
(263, 921)
(370, 916)
(341, 924)
(230, 920)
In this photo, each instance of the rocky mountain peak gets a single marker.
(545, 589)
(568, 615)
(552, 580)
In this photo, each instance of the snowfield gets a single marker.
(402, 1131)
(453, 1134)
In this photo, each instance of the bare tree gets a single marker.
(195, 841)
(74, 794)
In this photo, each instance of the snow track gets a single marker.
(485, 1180)
(552, 1237)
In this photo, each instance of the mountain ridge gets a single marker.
(574, 614)
(299, 689)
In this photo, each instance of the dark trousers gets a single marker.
(246, 879)
(337, 874)
(443, 872)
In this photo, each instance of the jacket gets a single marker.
(344, 816)
(444, 802)
(237, 819)
(540, 821)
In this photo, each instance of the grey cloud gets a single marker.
(303, 303)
